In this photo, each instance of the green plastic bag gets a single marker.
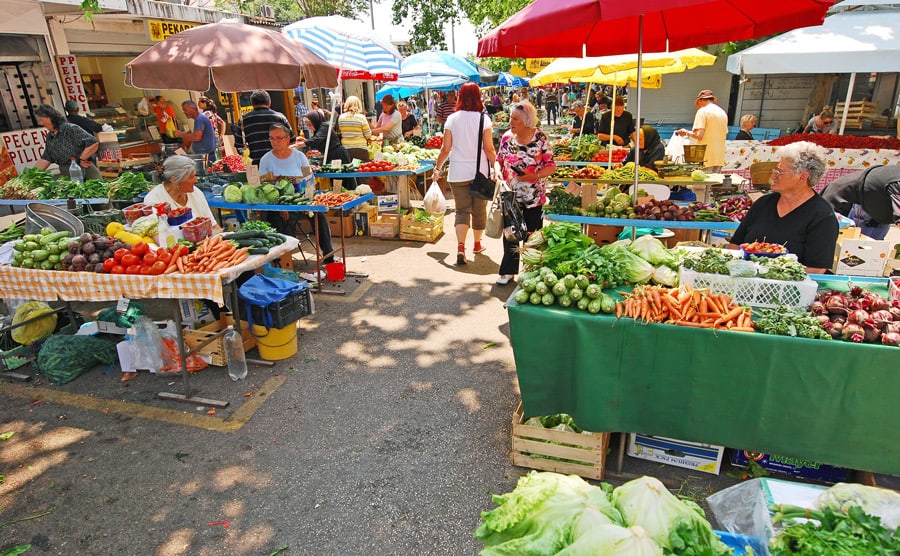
(63, 358)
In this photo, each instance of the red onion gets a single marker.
(890, 339)
(895, 312)
(857, 316)
(892, 327)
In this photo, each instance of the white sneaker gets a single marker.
(504, 279)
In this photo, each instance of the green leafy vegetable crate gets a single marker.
(582, 454)
(416, 230)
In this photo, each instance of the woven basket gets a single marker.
(761, 174)
(694, 153)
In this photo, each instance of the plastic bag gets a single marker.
(146, 345)
(434, 201)
(494, 226)
(63, 358)
(675, 146)
(171, 357)
(143, 107)
(514, 228)
(39, 329)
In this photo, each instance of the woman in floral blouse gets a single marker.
(526, 160)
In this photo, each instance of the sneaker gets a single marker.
(505, 279)
(479, 248)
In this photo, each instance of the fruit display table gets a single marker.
(826, 401)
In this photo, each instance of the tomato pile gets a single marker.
(763, 248)
(434, 142)
(618, 155)
(839, 141)
(232, 161)
(375, 166)
(140, 259)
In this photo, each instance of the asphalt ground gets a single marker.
(386, 434)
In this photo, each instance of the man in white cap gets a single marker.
(710, 129)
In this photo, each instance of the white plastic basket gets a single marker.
(755, 292)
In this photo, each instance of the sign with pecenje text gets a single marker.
(24, 146)
(160, 30)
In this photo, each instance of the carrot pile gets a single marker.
(685, 306)
(332, 199)
(212, 254)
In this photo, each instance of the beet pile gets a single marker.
(858, 316)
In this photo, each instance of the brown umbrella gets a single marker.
(233, 56)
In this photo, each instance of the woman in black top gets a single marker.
(652, 148)
(748, 122)
(66, 141)
(320, 131)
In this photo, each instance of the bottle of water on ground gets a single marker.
(234, 352)
(75, 171)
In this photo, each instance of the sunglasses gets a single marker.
(827, 122)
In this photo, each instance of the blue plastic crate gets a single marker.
(740, 543)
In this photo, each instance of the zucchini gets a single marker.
(250, 234)
(40, 254)
(55, 236)
(258, 251)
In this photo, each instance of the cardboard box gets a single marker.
(193, 311)
(361, 219)
(680, 453)
(794, 467)
(386, 226)
(585, 454)
(861, 257)
(334, 224)
(388, 203)
(604, 235)
(681, 234)
(105, 327)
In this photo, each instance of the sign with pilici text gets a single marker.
(73, 87)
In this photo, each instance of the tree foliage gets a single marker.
(429, 18)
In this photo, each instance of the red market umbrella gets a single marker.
(574, 28)
(233, 56)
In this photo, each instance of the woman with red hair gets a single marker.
(461, 148)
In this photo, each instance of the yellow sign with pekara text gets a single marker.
(161, 30)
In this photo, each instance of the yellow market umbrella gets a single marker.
(616, 70)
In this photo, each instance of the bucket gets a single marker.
(335, 272)
(275, 344)
(694, 153)
(42, 215)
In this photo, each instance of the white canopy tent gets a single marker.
(848, 42)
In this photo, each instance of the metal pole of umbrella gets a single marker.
(338, 95)
(847, 102)
(637, 138)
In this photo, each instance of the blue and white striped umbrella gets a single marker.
(349, 44)
(510, 80)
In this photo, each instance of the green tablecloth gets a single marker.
(826, 401)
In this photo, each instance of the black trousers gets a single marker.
(534, 221)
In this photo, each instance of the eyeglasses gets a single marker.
(779, 172)
(827, 122)
(279, 138)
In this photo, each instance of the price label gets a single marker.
(122, 305)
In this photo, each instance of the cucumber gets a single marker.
(19, 246)
(31, 237)
(250, 234)
(40, 255)
(55, 236)
(258, 251)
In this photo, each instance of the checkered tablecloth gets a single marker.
(50, 285)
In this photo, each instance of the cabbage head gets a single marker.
(33, 331)
(676, 525)
(698, 175)
(232, 194)
(651, 250)
(270, 193)
(538, 517)
(251, 195)
(665, 276)
(612, 540)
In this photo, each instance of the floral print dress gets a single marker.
(531, 157)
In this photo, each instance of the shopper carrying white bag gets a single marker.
(434, 201)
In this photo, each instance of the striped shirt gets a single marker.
(256, 124)
(355, 130)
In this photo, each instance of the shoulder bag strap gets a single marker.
(478, 150)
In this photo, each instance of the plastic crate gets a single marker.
(755, 292)
(285, 312)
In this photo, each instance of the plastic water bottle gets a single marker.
(234, 352)
(75, 172)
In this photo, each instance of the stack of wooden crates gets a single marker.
(858, 112)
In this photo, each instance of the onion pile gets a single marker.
(858, 316)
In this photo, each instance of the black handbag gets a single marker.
(482, 187)
(514, 228)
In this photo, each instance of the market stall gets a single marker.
(45, 285)
(219, 203)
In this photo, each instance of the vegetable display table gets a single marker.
(219, 203)
(53, 285)
(826, 401)
(704, 227)
(392, 182)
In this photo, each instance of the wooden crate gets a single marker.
(428, 232)
(386, 226)
(215, 350)
(586, 452)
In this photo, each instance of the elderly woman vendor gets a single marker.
(178, 189)
(794, 215)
